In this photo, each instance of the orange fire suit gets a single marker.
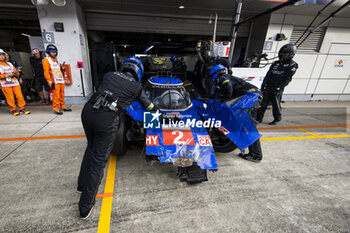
(52, 73)
(10, 86)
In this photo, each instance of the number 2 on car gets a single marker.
(178, 137)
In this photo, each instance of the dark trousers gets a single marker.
(273, 96)
(100, 127)
(255, 148)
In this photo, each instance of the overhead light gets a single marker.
(181, 7)
(169, 39)
(40, 2)
(24, 34)
(142, 55)
(46, 2)
(125, 46)
(275, 0)
(59, 2)
(149, 48)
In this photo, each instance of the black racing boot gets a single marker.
(86, 214)
(274, 122)
(249, 157)
(79, 189)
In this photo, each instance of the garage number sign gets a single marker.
(268, 45)
(48, 38)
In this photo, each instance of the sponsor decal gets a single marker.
(248, 78)
(204, 140)
(152, 140)
(224, 130)
(339, 63)
(151, 120)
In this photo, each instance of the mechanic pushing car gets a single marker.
(206, 60)
(228, 86)
(54, 77)
(100, 118)
(277, 78)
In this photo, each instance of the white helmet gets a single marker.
(2, 51)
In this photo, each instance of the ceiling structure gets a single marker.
(139, 17)
(25, 13)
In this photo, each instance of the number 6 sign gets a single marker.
(48, 38)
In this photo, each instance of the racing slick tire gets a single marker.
(120, 144)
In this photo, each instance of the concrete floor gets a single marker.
(300, 186)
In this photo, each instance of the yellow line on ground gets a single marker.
(313, 134)
(305, 137)
(106, 208)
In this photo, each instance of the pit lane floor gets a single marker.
(302, 184)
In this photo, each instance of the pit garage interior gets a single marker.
(301, 185)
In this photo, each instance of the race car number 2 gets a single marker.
(178, 137)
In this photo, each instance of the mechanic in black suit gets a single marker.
(100, 118)
(227, 86)
(277, 78)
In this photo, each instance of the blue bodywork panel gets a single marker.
(136, 110)
(172, 144)
(235, 120)
(165, 80)
(176, 144)
(192, 144)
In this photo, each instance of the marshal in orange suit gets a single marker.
(10, 85)
(54, 77)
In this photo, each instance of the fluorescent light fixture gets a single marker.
(275, 0)
(181, 7)
(59, 2)
(149, 48)
(142, 55)
(23, 34)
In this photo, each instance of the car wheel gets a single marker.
(221, 143)
(120, 144)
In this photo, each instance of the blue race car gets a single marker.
(188, 131)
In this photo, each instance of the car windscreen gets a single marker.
(169, 97)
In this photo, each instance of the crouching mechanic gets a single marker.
(227, 86)
(100, 118)
(10, 85)
(277, 78)
(54, 77)
(179, 67)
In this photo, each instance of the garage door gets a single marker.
(155, 24)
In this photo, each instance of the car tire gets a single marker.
(120, 144)
(225, 147)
